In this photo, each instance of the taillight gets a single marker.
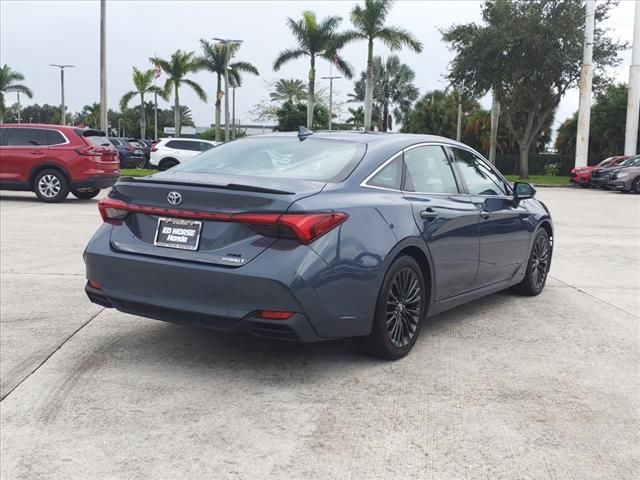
(113, 211)
(154, 148)
(306, 227)
(89, 151)
(275, 315)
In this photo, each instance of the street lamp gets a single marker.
(226, 42)
(330, 78)
(63, 119)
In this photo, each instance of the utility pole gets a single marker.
(156, 75)
(495, 120)
(63, 116)
(19, 113)
(227, 43)
(233, 115)
(633, 98)
(104, 108)
(586, 77)
(331, 78)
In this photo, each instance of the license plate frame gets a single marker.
(177, 237)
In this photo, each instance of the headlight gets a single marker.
(622, 174)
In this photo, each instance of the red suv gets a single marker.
(53, 160)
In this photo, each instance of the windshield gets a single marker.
(98, 141)
(284, 157)
(629, 162)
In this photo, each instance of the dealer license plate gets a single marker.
(178, 233)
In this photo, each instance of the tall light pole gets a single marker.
(633, 97)
(233, 115)
(63, 119)
(227, 42)
(330, 78)
(104, 108)
(586, 77)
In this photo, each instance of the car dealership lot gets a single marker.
(505, 387)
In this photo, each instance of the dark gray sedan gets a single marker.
(318, 236)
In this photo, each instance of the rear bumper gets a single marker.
(296, 328)
(101, 182)
(227, 298)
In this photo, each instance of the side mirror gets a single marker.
(523, 190)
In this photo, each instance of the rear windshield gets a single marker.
(98, 141)
(284, 157)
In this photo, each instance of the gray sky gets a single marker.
(34, 34)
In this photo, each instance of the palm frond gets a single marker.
(286, 56)
(126, 98)
(202, 95)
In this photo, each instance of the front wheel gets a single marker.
(400, 309)
(86, 194)
(635, 188)
(51, 186)
(537, 267)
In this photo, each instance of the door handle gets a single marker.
(36, 152)
(429, 214)
(485, 214)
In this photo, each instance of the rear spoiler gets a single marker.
(228, 186)
(88, 132)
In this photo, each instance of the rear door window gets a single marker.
(55, 138)
(26, 137)
(428, 170)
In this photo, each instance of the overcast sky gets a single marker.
(34, 34)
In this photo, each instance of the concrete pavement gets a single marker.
(506, 387)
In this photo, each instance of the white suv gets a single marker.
(169, 152)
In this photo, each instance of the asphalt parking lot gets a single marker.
(504, 388)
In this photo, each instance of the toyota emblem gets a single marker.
(174, 198)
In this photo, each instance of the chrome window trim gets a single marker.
(66, 142)
(401, 152)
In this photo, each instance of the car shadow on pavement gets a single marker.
(191, 349)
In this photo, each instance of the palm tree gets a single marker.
(91, 114)
(143, 82)
(369, 25)
(213, 60)
(291, 91)
(9, 82)
(357, 116)
(177, 67)
(393, 89)
(315, 39)
(186, 118)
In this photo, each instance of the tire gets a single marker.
(166, 164)
(86, 194)
(635, 186)
(51, 186)
(537, 266)
(393, 338)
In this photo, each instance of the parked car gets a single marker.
(131, 153)
(319, 236)
(600, 176)
(582, 175)
(53, 160)
(146, 149)
(626, 179)
(169, 152)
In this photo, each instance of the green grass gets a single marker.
(136, 172)
(541, 179)
(535, 179)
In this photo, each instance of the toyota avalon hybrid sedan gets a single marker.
(319, 236)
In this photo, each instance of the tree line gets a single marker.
(527, 70)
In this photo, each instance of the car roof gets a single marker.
(41, 125)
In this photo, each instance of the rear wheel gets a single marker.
(51, 186)
(86, 194)
(167, 163)
(538, 266)
(400, 309)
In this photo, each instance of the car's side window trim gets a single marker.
(365, 182)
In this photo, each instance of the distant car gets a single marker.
(53, 160)
(169, 152)
(625, 179)
(319, 236)
(131, 152)
(582, 175)
(146, 149)
(600, 176)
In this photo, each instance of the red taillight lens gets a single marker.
(154, 148)
(94, 284)
(113, 211)
(306, 227)
(89, 151)
(275, 315)
(129, 147)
